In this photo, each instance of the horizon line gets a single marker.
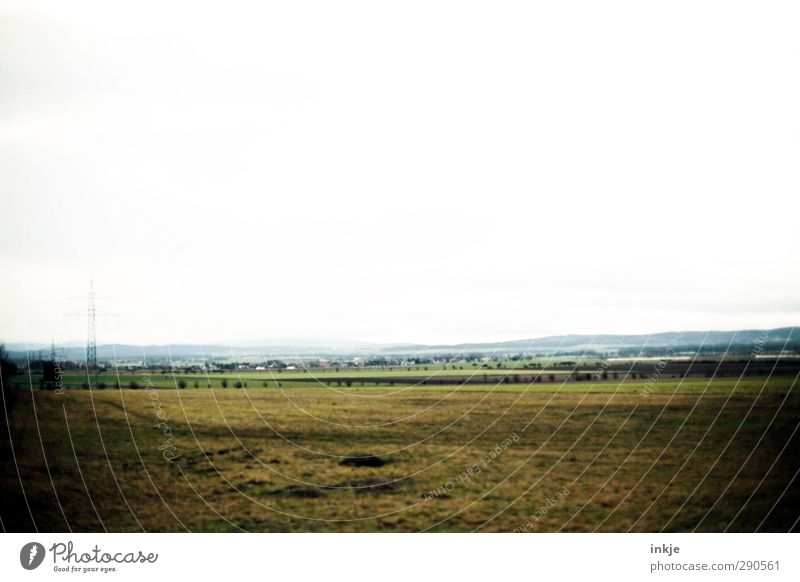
(323, 341)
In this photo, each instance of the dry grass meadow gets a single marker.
(702, 455)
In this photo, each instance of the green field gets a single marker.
(700, 454)
(331, 380)
(167, 379)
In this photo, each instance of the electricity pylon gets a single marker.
(91, 331)
(91, 341)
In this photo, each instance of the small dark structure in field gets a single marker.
(301, 491)
(365, 461)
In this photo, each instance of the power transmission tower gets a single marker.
(91, 341)
(91, 335)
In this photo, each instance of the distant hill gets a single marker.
(675, 340)
(734, 342)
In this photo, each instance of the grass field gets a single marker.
(166, 379)
(489, 380)
(330, 380)
(702, 454)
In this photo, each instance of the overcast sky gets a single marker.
(408, 171)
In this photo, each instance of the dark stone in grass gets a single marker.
(435, 496)
(300, 491)
(365, 461)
